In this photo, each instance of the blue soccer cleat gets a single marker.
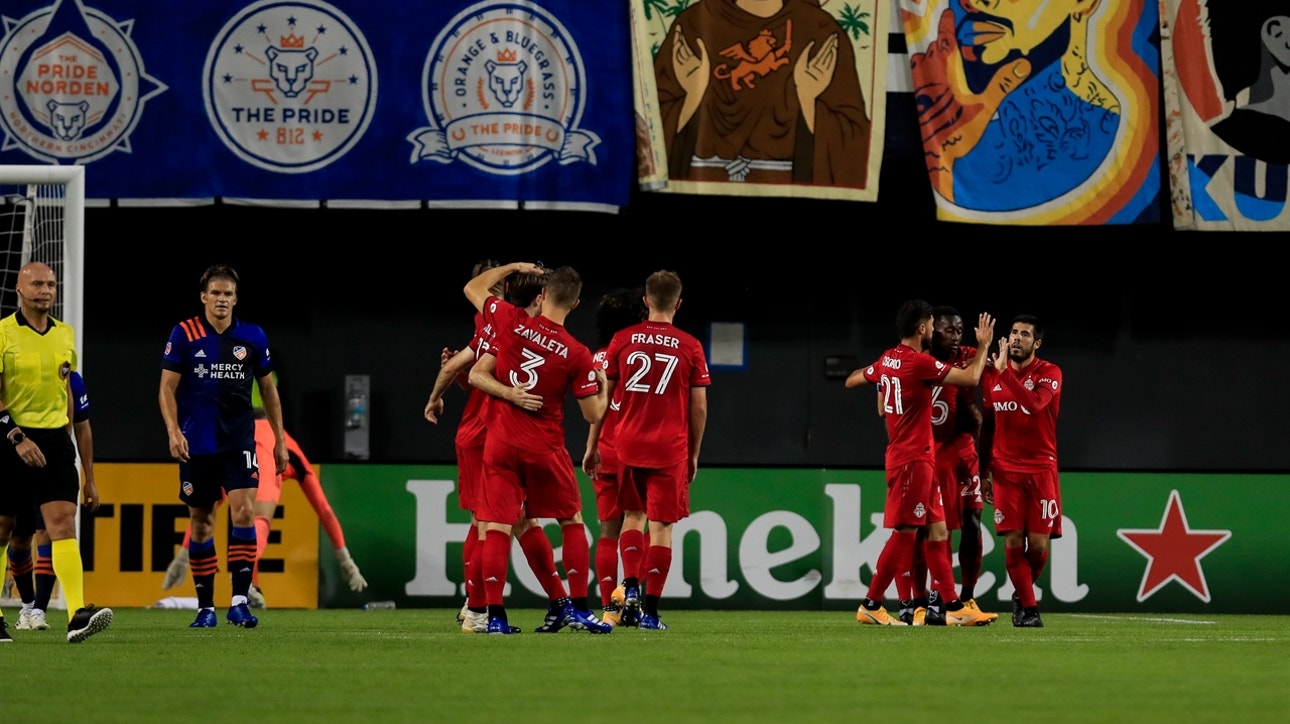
(205, 619)
(587, 621)
(501, 626)
(558, 615)
(631, 614)
(650, 622)
(240, 615)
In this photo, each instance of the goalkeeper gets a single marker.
(266, 501)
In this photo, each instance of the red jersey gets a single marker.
(655, 365)
(543, 358)
(1024, 405)
(608, 454)
(907, 378)
(948, 399)
(471, 429)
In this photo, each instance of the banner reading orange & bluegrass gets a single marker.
(1038, 113)
(1232, 110)
(762, 97)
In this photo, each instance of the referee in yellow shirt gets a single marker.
(38, 466)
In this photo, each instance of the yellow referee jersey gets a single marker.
(35, 368)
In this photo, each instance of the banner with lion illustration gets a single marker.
(1038, 112)
(1229, 113)
(761, 97)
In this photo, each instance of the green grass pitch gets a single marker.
(712, 666)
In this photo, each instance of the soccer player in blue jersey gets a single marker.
(207, 372)
(35, 594)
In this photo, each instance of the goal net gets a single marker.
(42, 218)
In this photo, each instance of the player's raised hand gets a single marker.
(1001, 358)
(984, 330)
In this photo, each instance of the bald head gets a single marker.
(37, 287)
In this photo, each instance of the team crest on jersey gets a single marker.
(1030, 384)
(65, 370)
(72, 84)
(167, 348)
(504, 87)
(239, 352)
(290, 86)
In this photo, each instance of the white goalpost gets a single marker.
(42, 218)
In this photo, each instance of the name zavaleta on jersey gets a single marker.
(217, 372)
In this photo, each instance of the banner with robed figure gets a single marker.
(761, 97)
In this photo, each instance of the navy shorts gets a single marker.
(204, 478)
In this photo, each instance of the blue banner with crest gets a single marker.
(380, 103)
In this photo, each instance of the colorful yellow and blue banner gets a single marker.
(1038, 113)
(761, 97)
(488, 103)
(1228, 113)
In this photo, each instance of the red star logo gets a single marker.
(1174, 551)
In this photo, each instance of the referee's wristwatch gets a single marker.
(17, 437)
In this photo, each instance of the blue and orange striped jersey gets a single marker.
(217, 373)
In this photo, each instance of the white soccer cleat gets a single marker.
(255, 597)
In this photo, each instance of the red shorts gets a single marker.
(537, 484)
(912, 498)
(1027, 501)
(959, 479)
(663, 493)
(470, 473)
(606, 487)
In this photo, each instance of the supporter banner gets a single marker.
(1038, 114)
(127, 545)
(379, 103)
(800, 539)
(1231, 111)
(770, 98)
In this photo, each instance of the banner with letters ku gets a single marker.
(1228, 103)
(761, 97)
(1038, 113)
(382, 103)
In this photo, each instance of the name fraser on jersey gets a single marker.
(541, 340)
(660, 339)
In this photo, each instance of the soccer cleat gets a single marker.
(618, 597)
(240, 615)
(87, 621)
(612, 615)
(1030, 619)
(631, 615)
(205, 619)
(877, 616)
(177, 571)
(919, 618)
(461, 615)
(1016, 610)
(650, 622)
(501, 626)
(933, 616)
(255, 597)
(558, 616)
(971, 603)
(475, 622)
(968, 617)
(37, 620)
(24, 619)
(5, 638)
(907, 610)
(587, 621)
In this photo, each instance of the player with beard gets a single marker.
(1021, 396)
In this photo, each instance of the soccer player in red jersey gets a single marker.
(907, 377)
(521, 290)
(619, 309)
(660, 374)
(956, 421)
(531, 365)
(1021, 396)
